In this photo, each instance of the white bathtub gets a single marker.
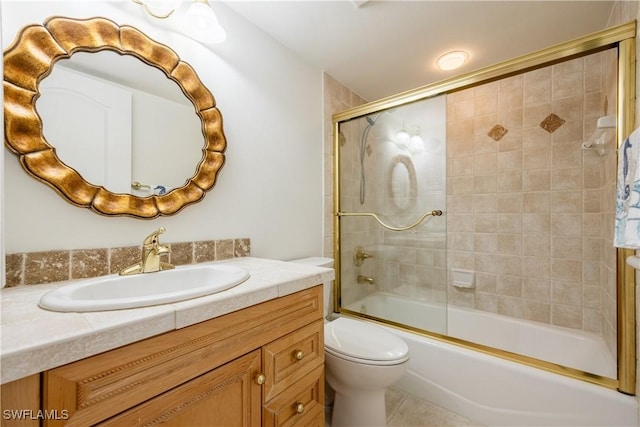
(498, 392)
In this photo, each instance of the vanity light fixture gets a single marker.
(452, 60)
(202, 24)
(198, 22)
(160, 9)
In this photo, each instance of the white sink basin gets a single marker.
(142, 290)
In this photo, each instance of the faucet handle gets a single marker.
(359, 255)
(153, 239)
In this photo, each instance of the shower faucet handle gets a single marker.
(359, 255)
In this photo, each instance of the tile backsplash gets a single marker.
(31, 268)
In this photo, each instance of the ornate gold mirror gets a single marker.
(31, 58)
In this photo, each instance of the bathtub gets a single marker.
(496, 391)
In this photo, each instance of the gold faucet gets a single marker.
(367, 280)
(151, 251)
(359, 255)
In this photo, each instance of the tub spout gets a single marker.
(367, 280)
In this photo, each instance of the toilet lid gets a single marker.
(363, 340)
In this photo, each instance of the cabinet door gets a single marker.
(20, 403)
(226, 396)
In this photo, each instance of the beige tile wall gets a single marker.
(339, 98)
(54, 266)
(531, 213)
(527, 213)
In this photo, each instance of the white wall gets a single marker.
(270, 188)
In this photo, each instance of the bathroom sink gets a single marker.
(141, 290)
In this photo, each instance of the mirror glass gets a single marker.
(118, 121)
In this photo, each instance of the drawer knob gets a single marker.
(298, 354)
(260, 379)
(299, 408)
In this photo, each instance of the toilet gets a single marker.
(361, 361)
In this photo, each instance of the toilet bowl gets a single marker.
(361, 361)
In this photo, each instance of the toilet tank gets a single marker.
(327, 288)
(318, 261)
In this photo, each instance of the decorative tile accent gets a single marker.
(551, 123)
(242, 247)
(204, 251)
(181, 253)
(369, 150)
(497, 132)
(54, 266)
(89, 263)
(224, 249)
(15, 269)
(47, 267)
(121, 258)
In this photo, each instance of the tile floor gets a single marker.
(406, 410)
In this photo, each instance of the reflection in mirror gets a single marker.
(116, 121)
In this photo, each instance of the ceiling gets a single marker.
(380, 48)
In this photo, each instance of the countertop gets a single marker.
(33, 340)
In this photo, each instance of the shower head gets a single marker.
(372, 120)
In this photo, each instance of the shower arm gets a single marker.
(389, 227)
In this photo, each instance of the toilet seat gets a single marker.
(363, 342)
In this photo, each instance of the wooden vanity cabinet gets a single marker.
(262, 365)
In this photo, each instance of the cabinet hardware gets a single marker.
(299, 408)
(298, 354)
(260, 379)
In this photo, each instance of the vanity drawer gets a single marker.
(290, 358)
(301, 405)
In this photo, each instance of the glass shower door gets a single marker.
(392, 228)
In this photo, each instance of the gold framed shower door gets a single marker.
(621, 37)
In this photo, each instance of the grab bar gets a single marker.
(435, 212)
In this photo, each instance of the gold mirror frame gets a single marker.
(31, 58)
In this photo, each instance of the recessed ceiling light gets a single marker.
(452, 60)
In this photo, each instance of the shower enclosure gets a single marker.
(478, 210)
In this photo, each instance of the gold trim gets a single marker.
(30, 59)
(623, 37)
(626, 275)
(492, 351)
(337, 299)
(600, 40)
(150, 12)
